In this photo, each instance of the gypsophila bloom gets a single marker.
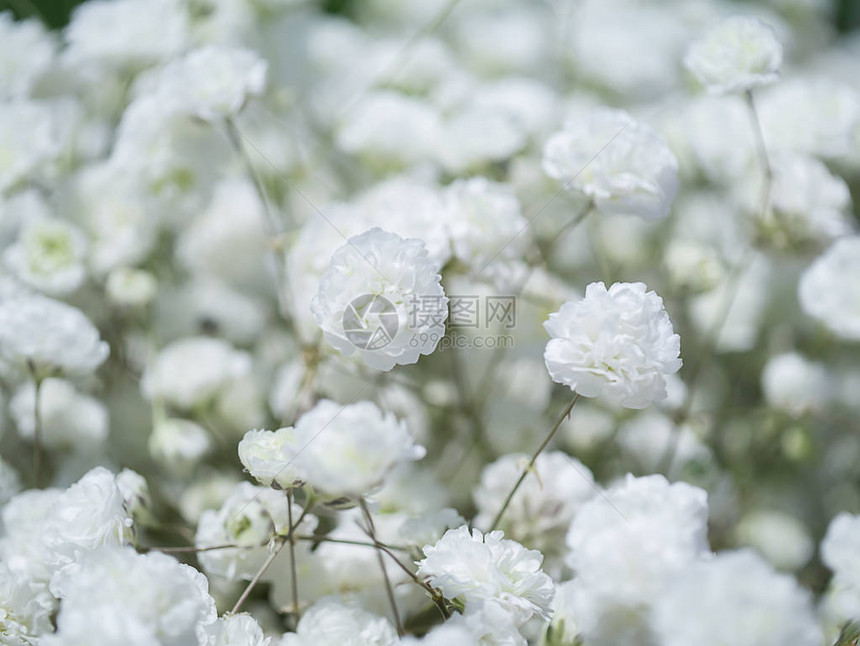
(828, 292)
(267, 456)
(23, 615)
(332, 623)
(429, 528)
(387, 272)
(781, 538)
(168, 601)
(794, 384)
(624, 167)
(476, 567)
(128, 287)
(49, 256)
(617, 344)
(178, 444)
(49, 335)
(26, 52)
(736, 55)
(236, 630)
(28, 140)
(191, 372)
(214, 83)
(348, 450)
(735, 598)
(840, 553)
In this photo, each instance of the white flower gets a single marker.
(478, 567)
(28, 140)
(192, 372)
(135, 494)
(127, 32)
(348, 450)
(840, 553)
(623, 166)
(24, 613)
(828, 292)
(49, 335)
(478, 135)
(88, 515)
(381, 297)
(128, 287)
(489, 623)
(794, 384)
(49, 256)
(781, 538)
(214, 82)
(736, 55)
(540, 512)
(26, 52)
(167, 600)
(68, 418)
(236, 630)
(616, 343)
(735, 598)
(178, 444)
(267, 456)
(331, 623)
(644, 438)
(429, 528)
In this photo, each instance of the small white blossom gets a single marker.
(781, 538)
(332, 623)
(49, 256)
(236, 630)
(623, 166)
(616, 343)
(26, 53)
(267, 456)
(402, 307)
(735, 598)
(794, 384)
(736, 55)
(131, 287)
(28, 140)
(178, 444)
(49, 335)
(828, 292)
(840, 551)
(478, 567)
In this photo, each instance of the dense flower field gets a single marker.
(442, 322)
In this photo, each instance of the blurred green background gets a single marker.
(56, 12)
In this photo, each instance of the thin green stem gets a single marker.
(294, 580)
(371, 530)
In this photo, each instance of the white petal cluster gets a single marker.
(266, 455)
(332, 623)
(49, 256)
(624, 167)
(618, 344)
(49, 335)
(192, 372)
(153, 596)
(236, 630)
(827, 292)
(478, 568)
(735, 598)
(794, 384)
(28, 140)
(840, 553)
(178, 444)
(26, 53)
(735, 55)
(382, 264)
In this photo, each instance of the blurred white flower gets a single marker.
(736, 55)
(49, 256)
(781, 538)
(330, 622)
(271, 456)
(429, 528)
(129, 287)
(623, 166)
(348, 450)
(794, 384)
(735, 598)
(476, 568)
(828, 292)
(49, 335)
(382, 298)
(68, 418)
(840, 553)
(29, 140)
(192, 372)
(617, 343)
(178, 444)
(26, 53)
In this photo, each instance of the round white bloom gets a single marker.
(794, 384)
(735, 598)
(26, 52)
(476, 567)
(540, 512)
(645, 438)
(178, 444)
(485, 222)
(100, 626)
(809, 203)
(828, 293)
(429, 528)
(131, 287)
(840, 553)
(348, 450)
(49, 335)
(781, 538)
(28, 140)
(167, 599)
(236, 630)
(21, 545)
(24, 613)
(451, 633)
(693, 266)
(616, 343)
(68, 418)
(331, 623)
(478, 135)
(127, 32)
(382, 298)
(623, 166)
(214, 82)
(267, 456)
(736, 55)
(487, 623)
(88, 515)
(193, 371)
(49, 256)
